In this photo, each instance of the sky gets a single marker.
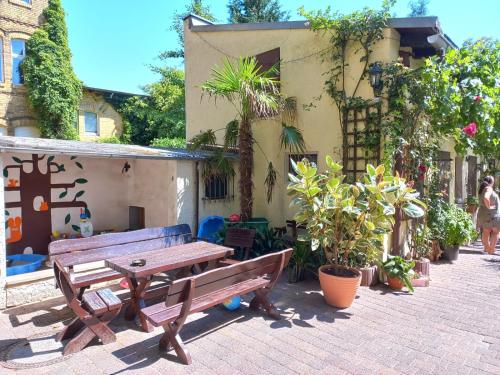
(115, 41)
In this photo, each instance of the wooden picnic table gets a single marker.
(160, 260)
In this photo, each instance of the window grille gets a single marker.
(219, 188)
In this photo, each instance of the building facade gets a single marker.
(301, 66)
(97, 118)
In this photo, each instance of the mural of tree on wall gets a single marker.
(35, 189)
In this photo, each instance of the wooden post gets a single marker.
(3, 248)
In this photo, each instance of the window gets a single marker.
(217, 187)
(91, 123)
(1, 60)
(312, 157)
(28, 2)
(18, 54)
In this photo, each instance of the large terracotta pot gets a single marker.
(369, 276)
(339, 291)
(395, 283)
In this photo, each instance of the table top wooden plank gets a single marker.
(167, 259)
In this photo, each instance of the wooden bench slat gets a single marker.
(109, 298)
(94, 255)
(95, 278)
(159, 314)
(94, 303)
(110, 239)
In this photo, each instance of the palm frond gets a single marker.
(270, 181)
(231, 134)
(206, 138)
(291, 138)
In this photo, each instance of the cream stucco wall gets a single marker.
(300, 78)
(109, 121)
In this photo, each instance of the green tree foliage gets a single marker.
(161, 113)
(418, 8)
(54, 91)
(196, 7)
(465, 99)
(247, 11)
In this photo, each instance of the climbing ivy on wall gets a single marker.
(359, 30)
(54, 91)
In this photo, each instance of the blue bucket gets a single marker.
(31, 262)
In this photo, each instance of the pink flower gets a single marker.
(477, 98)
(470, 129)
(422, 168)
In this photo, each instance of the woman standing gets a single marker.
(488, 215)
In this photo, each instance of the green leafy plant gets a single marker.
(472, 200)
(300, 261)
(465, 96)
(266, 241)
(53, 89)
(398, 268)
(343, 218)
(169, 142)
(458, 227)
(420, 240)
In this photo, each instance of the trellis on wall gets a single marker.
(361, 140)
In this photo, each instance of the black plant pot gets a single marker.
(451, 252)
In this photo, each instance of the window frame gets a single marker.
(14, 56)
(87, 133)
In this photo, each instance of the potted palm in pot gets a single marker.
(343, 218)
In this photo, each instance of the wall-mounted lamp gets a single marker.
(375, 74)
(126, 167)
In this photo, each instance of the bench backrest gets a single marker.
(225, 277)
(239, 237)
(105, 246)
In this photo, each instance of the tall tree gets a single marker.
(255, 95)
(418, 8)
(54, 91)
(196, 7)
(161, 113)
(247, 11)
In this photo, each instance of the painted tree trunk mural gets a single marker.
(32, 229)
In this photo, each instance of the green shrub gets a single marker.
(397, 268)
(112, 139)
(169, 142)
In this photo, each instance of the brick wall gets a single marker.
(18, 20)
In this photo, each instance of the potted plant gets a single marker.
(421, 247)
(472, 204)
(344, 218)
(399, 272)
(458, 229)
(300, 261)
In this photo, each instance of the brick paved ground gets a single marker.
(453, 327)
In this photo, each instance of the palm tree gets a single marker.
(255, 95)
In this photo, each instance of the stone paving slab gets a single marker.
(452, 327)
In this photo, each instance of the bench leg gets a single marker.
(93, 327)
(172, 339)
(70, 330)
(137, 289)
(79, 342)
(262, 300)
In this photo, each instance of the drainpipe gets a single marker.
(197, 197)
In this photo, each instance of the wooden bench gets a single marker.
(73, 252)
(198, 293)
(93, 310)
